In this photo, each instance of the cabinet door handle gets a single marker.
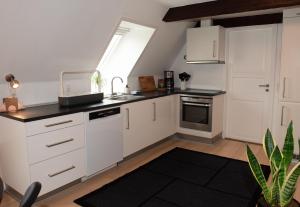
(282, 115)
(214, 48)
(128, 122)
(59, 123)
(264, 86)
(60, 172)
(284, 87)
(59, 143)
(154, 111)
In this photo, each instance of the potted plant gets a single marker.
(280, 191)
(184, 77)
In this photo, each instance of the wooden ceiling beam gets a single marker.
(223, 7)
(249, 20)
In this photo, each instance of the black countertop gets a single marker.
(53, 110)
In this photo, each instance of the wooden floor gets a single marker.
(226, 148)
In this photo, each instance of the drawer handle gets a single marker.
(59, 143)
(59, 123)
(60, 172)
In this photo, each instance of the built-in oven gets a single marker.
(196, 112)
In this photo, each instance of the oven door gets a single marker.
(196, 114)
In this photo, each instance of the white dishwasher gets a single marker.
(104, 141)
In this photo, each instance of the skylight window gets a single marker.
(122, 53)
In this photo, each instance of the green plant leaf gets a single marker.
(258, 174)
(288, 147)
(268, 143)
(289, 187)
(299, 146)
(276, 157)
(281, 173)
(275, 193)
(273, 170)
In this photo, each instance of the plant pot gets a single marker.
(182, 85)
(262, 203)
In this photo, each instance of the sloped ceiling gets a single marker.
(40, 38)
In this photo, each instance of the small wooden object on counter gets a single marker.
(147, 83)
(11, 104)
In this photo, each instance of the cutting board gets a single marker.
(147, 83)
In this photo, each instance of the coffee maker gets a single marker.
(169, 80)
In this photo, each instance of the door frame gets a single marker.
(275, 64)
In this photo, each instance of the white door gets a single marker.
(250, 61)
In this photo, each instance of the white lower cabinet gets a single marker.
(44, 146)
(164, 124)
(58, 171)
(50, 151)
(137, 126)
(147, 122)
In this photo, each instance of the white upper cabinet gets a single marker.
(290, 68)
(205, 45)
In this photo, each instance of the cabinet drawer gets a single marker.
(58, 171)
(51, 144)
(51, 124)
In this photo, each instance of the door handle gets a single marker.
(197, 104)
(154, 111)
(128, 123)
(264, 86)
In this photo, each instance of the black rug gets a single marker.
(181, 178)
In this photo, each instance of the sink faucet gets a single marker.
(112, 84)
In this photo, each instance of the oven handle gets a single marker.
(197, 104)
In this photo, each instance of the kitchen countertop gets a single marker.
(53, 110)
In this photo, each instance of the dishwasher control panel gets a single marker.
(104, 113)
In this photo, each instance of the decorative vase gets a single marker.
(182, 85)
(262, 203)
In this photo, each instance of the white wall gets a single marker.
(38, 39)
(32, 93)
(204, 76)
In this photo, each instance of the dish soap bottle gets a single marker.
(127, 91)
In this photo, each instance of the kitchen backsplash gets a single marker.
(34, 92)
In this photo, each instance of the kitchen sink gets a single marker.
(124, 97)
